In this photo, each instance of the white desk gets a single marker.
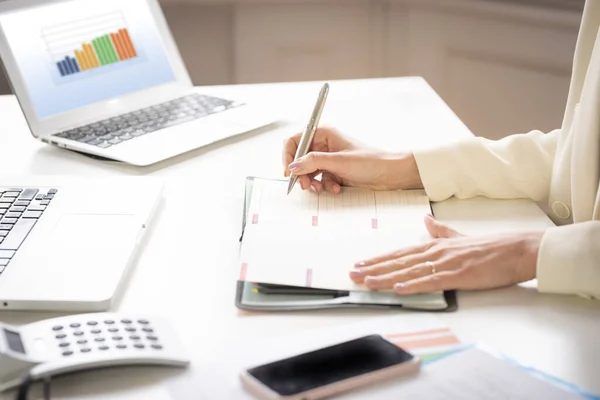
(186, 269)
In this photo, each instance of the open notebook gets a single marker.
(297, 250)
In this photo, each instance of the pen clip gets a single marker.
(319, 106)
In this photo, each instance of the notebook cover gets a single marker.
(450, 295)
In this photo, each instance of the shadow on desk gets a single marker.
(525, 296)
(119, 383)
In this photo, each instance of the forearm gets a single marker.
(518, 166)
(408, 177)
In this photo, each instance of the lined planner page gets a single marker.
(309, 239)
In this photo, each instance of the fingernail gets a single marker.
(355, 273)
(295, 166)
(360, 264)
(399, 286)
(314, 188)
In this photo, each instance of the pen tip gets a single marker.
(291, 185)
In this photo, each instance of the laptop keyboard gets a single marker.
(20, 209)
(113, 131)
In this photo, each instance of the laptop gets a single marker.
(68, 244)
(105, 78)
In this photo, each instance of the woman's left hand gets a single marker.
(453, 261)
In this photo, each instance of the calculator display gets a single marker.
(14, 341)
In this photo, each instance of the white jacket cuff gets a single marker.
(569, 260)
(439, 170)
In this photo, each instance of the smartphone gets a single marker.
(330, 370)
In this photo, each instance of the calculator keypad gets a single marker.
(91, 336)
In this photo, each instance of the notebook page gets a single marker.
(472, 374)
(313, 240)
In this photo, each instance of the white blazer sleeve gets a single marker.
(517, 166)
(569, 260)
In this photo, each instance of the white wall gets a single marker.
(502, 65)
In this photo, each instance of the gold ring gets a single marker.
(432, 266)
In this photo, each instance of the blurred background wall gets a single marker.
(502, 65)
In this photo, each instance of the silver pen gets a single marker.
(309, 133)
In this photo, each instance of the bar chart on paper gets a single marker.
(89, 44)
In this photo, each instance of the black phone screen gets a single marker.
(328, 365)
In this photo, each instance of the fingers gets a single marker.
(445, 280)
(388, 281)
(315, 161)
(417, 279)
(330, 183)
(415, 271)
(316, 186)
(325, 140)
(308, 167)
(420, 248)
(304, 182)
(308, 181)
(405, 265)
(374, 276)
(439, 230)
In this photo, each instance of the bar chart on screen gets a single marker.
(89, 45)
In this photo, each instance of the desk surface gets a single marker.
(186, 268)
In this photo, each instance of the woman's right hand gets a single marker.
(344, 162)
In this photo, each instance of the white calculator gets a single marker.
(78, 342)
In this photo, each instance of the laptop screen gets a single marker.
(76, 53)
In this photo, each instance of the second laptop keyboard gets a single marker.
(113, 131)
(20, 209)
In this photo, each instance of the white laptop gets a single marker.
(105, 77)
(68, 243)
